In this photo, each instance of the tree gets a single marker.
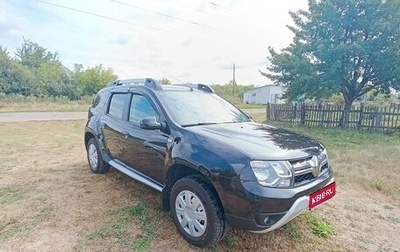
(340, 46)
(165, 81)
(38, 72)
(227, 90)
(91, 80)
(33, 55)
(50, 79)
(14, 77)
(53, 80)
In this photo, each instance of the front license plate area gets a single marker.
(322, 195)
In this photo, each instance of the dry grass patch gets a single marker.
(257, 116)
(29, 104)
(50, 201)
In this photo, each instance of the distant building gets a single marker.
(265, 94)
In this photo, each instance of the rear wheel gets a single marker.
(196, 212)
(95, 160)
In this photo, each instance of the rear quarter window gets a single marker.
(117, 103)
(96, 101)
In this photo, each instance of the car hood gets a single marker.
(260, 141)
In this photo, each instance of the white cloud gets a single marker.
(192, 46)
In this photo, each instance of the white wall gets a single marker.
(264, 95)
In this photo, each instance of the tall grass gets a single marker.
(20, 103)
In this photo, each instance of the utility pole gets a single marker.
(234, 83)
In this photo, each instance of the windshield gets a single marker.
(199, 108)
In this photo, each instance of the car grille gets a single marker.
(303, 170)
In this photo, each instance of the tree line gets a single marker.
(32, 70)
(35, 71)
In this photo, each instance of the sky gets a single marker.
(196, 41)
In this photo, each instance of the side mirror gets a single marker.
(150, 123)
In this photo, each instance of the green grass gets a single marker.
(139, 210)
(379, 183)
(319, 226)
(119, 225)
(18, 218)
(293, 231)
(146, 226)
(15, 103)
(239, 103)
(11, 194)
(228, 243)
(9, 230)
(341, 138)
(322, 228)
(249, 106)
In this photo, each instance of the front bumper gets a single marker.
(298, 207)
(264, 220)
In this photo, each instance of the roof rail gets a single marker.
(199, 86)
(205, 88)
(147, 82)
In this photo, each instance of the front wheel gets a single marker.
(196, 212)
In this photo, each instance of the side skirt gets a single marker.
(136, 175)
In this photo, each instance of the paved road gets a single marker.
(48, 116)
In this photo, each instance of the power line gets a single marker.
(189, 7)
(99, 15)
(199, 10)
(119, 20)
(219, 6)
(146, 26)
(180, 19)
(166, 15)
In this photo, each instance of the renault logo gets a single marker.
(315, 166)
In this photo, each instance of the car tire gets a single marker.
(196, 212)
(95, 159)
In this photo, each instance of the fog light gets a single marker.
(268, 219)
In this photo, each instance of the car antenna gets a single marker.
(180, 82)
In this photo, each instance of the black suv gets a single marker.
(213, 165)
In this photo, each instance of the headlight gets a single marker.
(323, 157)
(272, 173)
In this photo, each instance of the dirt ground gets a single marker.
(50, 201)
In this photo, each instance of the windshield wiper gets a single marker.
(198, 124)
